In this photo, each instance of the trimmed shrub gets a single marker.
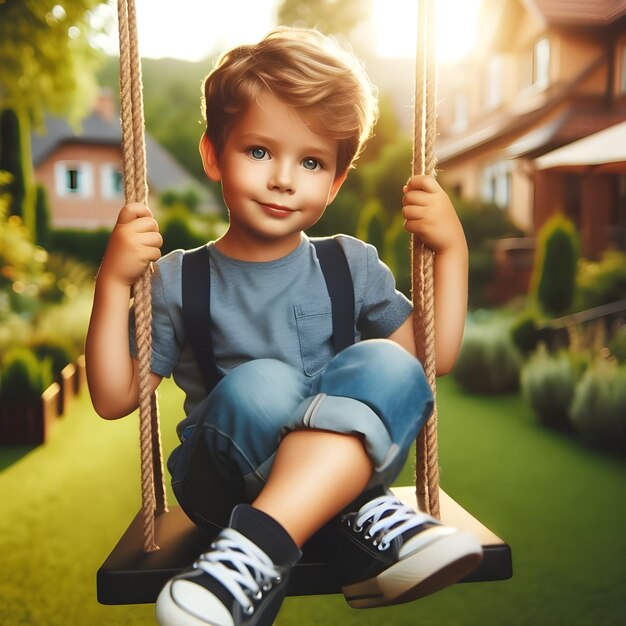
(599, 406)
(601, 282)
(617, 346)
(548, 383)
(525, 332)
(84, 245)
(24, 376)
(554, 278)
(488, 361)
(42, 217)
(57, 354)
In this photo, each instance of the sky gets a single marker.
(196, 29)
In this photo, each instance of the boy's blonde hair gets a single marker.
(306, 70)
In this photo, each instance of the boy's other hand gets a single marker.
(134, 243)
(430, 215)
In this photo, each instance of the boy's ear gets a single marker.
(336, 186)
(209, 159)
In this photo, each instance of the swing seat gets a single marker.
(131, 576)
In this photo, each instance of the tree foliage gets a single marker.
(48, 59)
(329, 16)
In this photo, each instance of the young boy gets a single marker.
(294, 436)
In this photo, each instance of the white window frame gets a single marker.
(496, 184)
(541, 63)
(494, 82)
(108, 174)
(461, 112)
(84, 172)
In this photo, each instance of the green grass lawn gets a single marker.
(560, 506)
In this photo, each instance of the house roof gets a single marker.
(578, 12)
(569, 126)
(605, 147)
(164, 172)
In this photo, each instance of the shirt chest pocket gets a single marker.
(315, 329)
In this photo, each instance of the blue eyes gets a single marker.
(261, 154)
(311, 164)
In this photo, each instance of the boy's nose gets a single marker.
(282, 179)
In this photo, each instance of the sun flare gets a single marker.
(395, 27)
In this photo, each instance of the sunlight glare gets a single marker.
(395, 27)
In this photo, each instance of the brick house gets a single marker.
(545, 75)
(82, 171)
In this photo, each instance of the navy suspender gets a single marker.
(340, 289)
(196, 287)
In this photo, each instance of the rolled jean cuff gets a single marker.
(349, 416)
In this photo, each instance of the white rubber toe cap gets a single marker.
(184, 603)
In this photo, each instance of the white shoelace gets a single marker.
(240, 566)
(388, 518)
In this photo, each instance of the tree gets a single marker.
(554, 279)
(15, 158)
(332, 17)
(48, 57)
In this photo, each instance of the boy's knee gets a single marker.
(262, 391)
(385, 360)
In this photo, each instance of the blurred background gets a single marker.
(531, 146)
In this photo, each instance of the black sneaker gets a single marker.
(390, 554)
(240, 581)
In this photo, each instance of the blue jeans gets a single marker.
(374, 389)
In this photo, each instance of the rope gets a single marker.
(427, 458)
(136, 190)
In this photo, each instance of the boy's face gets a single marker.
(277, 175)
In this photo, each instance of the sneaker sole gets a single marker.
(430, 569)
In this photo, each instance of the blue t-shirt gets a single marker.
(278, 309)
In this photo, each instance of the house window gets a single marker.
(111, 181)
(493, 83)
(496, 184)
(461, 115)
(622, 70)
(73, 179)
(541, 63)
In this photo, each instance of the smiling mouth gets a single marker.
(276, 210)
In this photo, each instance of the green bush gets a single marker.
(483, 225)
(488, 361)
(548, 383)
(177, 233)
(525, 332)
(84, 245)
(42, 217)
(599, 406)
(373, 224)
(24, 376)
(617, 346)
(58, 354)
(396, 254)
(554, 277)
(601, 282)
